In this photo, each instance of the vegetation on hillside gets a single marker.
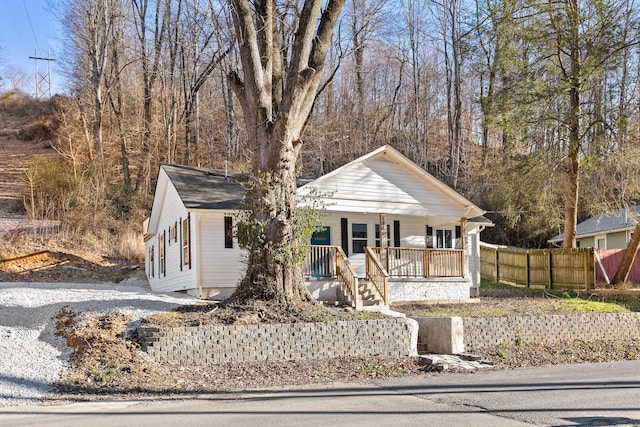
(476, 93)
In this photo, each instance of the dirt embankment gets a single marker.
(25, 126)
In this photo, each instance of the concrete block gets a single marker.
(443, 335)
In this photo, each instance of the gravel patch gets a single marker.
(32, 356)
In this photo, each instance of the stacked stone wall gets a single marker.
(481, 333)
(217, 344)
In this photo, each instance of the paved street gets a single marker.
(590, 394)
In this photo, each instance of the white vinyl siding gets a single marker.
(220, 267)
(177, 277)
(412, 228)
(382, 186)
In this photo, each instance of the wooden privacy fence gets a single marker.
(539, 268)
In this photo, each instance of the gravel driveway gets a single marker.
(31, 355)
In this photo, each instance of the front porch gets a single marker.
(380, 276)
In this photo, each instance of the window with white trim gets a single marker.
(358, 238)
(152, 261)
(444, 238)
(162, 258)
(186, 251)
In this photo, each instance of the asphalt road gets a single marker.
(583, 395)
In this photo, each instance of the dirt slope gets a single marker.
(15, 158)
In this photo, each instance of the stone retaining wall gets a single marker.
(217, 344)
(480, 333)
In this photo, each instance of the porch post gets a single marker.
(384, 259)
(463, 245)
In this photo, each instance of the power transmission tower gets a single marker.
(43, 81)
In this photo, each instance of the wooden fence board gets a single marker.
(549, 268)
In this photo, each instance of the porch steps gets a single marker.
(371, 298)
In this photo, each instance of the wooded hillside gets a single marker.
(529, 109)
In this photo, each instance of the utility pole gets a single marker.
(43, 81)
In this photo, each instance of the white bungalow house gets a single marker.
(607, 230)
(431, 250)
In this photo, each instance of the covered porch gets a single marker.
(369, 276)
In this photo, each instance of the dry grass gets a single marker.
(130, 246)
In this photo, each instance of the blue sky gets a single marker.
(27, 25)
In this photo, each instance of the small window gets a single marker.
(359, 238)
(378, 235)
(152, 261)
(228, 232)
(602, 243)
(444, 239)
(162, 270)
(185, 242)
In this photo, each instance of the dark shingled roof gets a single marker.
(202, 189)
(481, 220)
(601, 223)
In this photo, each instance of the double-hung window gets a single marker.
(444, 239)
(359, 238)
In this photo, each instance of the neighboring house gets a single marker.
(606, 230)
(431, 251)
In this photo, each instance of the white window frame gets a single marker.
(359, 239)
(443, 231)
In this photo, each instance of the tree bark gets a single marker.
(274, 122)
(573, 122)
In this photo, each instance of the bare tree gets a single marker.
(115, 94)
(200, 52)
(276, 94)
(150, 62)
(90, 26)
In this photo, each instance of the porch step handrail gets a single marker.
(377, 274)
(347, 277)
(331, 261)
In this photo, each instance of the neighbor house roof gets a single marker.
(203, 189)
(604, 223)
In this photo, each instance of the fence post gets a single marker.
(550, 271)
(497, 265)
(527, 265)
(586, 253)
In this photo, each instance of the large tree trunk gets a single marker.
(273, 272)
(276, 103)
(627, 260)
(573, 122)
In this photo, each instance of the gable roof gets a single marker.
(607, 222)
(385, 181)
(196, 188)
(203, 189)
